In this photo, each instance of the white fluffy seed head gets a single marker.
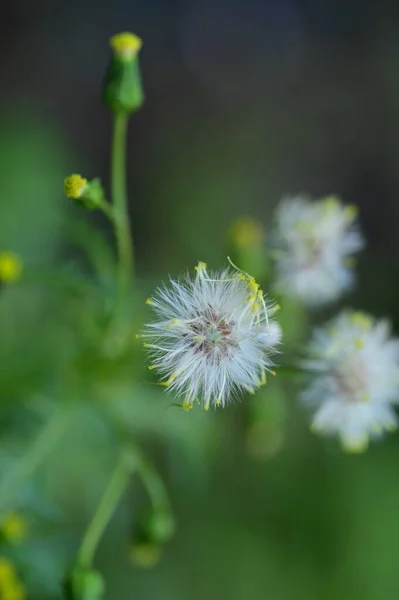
(214, 336)
(354, 380)
(313, 246)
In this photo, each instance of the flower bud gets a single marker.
(245, 239)
(13, 527)
(10, 267)
(84, 584)
(123, 92)
(155, 528)
(88, 193)
(160, 526)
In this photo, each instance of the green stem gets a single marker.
(120, 209)
(107, 209)
(113, 493)
(51, 433)
(152, 482)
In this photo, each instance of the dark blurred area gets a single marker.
(245, 102)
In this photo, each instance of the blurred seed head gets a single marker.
(353, 380)
(313, 243)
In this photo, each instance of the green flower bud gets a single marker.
(84, 584)
(160, 526)
(88, 193)
(123, 91)
(154, 528)
(245, 240)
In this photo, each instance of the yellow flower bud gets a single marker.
(123, 90)
(89, 194)
(13, 527)
(10, 267)
(126, 45)
(10, 586)
(74, 186)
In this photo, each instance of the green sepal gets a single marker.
(84, 584)
(123, 90)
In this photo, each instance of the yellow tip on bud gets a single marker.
(10, 267)
(74, 186)
(10, 586)
(126, 45)
(13, 527)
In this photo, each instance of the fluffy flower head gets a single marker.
(355, 379)
(214, 336)
(313, 242)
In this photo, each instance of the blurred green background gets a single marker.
(245, 102)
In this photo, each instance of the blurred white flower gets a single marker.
(355, 379)
(313, 242)
(214, 338)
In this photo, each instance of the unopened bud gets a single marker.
(13, 527)
(88, 193)
(160, 526)
(10, 267)
(84, 584)
(154, 529)
(123, 91)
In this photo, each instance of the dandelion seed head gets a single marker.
(313, 246)
(354, 380)
(214, 336)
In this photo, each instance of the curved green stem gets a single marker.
(113, 493)
(152, 482)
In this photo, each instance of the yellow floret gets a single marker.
(10, 587)
(10, 267)
(126, 44)
(74, 186)
(13, 527)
